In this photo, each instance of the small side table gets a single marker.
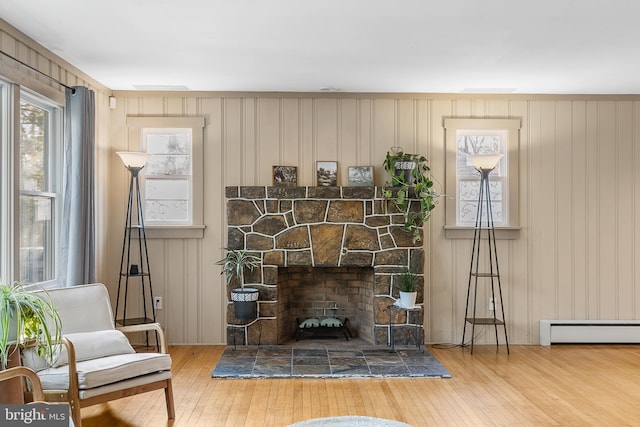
(393, 307)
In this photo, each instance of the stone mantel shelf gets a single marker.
(309, 192)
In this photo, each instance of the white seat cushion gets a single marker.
(105, 370)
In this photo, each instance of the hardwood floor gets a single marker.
(534, 386)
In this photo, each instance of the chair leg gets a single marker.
(168, 395)
(74, 406)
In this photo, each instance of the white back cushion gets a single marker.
(83, 308)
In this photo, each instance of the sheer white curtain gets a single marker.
(77, 231)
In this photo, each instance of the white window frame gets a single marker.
(8, 119)
(138, 128)
(55, 146)
(510, 227)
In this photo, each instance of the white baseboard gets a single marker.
(589, 332)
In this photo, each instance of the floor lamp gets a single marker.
(484, 164)
(134, 162)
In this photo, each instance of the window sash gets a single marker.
(38, 224)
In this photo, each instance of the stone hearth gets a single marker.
(346, 231)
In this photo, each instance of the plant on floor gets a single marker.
(27, 318)
(410, 179)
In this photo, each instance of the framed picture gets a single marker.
(285, 176)
(327, 174)
(361, 176)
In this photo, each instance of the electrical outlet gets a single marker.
(157, 303)
(492, 304)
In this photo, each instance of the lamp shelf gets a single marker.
(485, 275)
(134, 321)
(484, 321)
(135, 275)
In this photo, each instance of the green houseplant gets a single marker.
(27, 318)
(410, 180)
(233, 265)
(407, 283)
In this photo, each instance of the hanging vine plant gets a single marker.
(410, 184)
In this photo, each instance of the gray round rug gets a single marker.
(349, 421)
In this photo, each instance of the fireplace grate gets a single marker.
(326, 329)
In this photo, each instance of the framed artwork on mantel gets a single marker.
(285, 176)
(361, 176)
(327, 174)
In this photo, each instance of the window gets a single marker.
(481, 136)
(39, 157)
(172, 180)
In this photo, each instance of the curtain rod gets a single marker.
(38, 71)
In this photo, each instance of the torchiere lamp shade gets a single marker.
(133, 159)
(485, 162)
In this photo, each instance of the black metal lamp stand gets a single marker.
(129, 269)
(492, 274)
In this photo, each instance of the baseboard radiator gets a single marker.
(589, 332)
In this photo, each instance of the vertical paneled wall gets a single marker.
(579, 180)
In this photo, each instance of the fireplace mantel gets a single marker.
(318, 227)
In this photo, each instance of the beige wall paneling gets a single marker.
(447, 284)
(579, 203)
(625, 196)
(607, 204)
(516, 273)
(291, 143)
(347, 139)
(325, 134)
(233, 160)
(307, 155)
(267, 149)
(212, 298)
(366, 148)
(383, 114)
(564, 215)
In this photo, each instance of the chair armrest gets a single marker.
(23, 371)
(146, 327)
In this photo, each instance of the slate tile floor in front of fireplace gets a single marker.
(325, 362)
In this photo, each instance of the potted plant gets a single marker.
(407, 283)
(410, 180)
(233, 265)
(26, 318)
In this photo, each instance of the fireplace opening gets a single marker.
(324, 295)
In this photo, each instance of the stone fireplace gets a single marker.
(326, 252)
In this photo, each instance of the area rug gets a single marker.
(349, 422)
(326, 362)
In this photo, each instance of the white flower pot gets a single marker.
(408, 299)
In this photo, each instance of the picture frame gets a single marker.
(326, 174)
(285, 176)
(360, 176)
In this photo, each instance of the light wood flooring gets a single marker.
(534, 386)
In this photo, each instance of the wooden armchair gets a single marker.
(29, 374)
(97, 363)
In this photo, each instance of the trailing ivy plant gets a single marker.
(410, 183)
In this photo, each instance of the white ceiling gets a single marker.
(491, 46)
